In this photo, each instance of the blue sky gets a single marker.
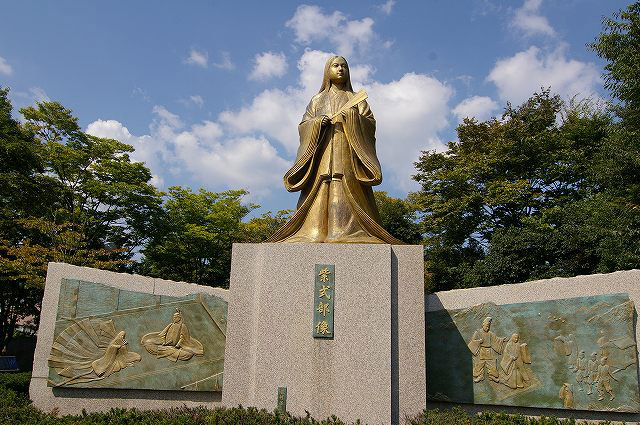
(210, 93)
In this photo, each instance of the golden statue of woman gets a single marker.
(335, 168)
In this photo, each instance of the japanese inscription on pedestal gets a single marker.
(323, 301)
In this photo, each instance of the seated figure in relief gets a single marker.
(173, 342)
(335, 168)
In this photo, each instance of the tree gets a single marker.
(258, 229)
(102, 193)
(194, 234)
(398, 217)
(619, 44)
(21, 162)
(527, 197)
(65, 196)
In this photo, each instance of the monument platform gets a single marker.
(370, 366)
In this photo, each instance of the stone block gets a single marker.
(372, 369)
(73, 400)
(597, 285)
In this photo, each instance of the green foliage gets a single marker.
(15, 408)
(64, 196)
(258, 229)
(193, 236)
(530, 196)
(619, 44)
(18, 382)
(398, 217)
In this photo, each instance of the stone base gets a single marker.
(374, 367)
(67, 401)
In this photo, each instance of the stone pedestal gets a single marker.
(374, 367)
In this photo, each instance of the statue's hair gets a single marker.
(326, 82)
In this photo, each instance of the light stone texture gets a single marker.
(549, 289)
(74, 400)
(373, 369)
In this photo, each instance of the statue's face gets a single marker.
(338, 71)
(176, 318)
(486, 325)
(515, 337)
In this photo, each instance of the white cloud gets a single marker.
(267, 65)
(528, 19)
(310, 24)
(238, 149)
(225, 62)
(409, 112)
(519, 76)
(194, 100)
(387, 7)
(38, 94)
(169, 117)
(201, 152)
(5, 68)
(198, 58)
(478, 107)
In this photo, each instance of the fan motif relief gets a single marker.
(90, 350)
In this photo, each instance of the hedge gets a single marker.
(16, 408)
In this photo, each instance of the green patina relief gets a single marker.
(282, 399)
(577, 353)
(323, 300)
(106, 337)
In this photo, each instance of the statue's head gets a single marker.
(177, 316)
(486, 323)
(336, 70)
(515, 337)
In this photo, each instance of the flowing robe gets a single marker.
(566, 395)
(173, 343)
(513, 370)
(335, 167)
(484, 347)
(115, 358)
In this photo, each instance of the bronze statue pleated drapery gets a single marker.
(335, 168)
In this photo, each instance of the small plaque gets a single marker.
(323, 300)
(282, 399)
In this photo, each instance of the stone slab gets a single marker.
(373, 368)
(626, 282)
(539, 354)
(74, 400)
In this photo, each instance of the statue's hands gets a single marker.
(352, 112)
(325, 120)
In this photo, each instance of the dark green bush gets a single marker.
(15, 408)
(18, 382)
